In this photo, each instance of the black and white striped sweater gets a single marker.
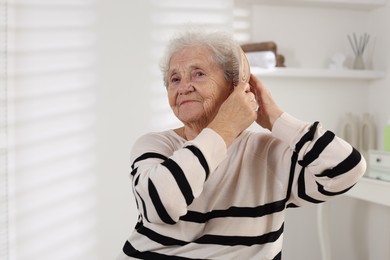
(200, 200)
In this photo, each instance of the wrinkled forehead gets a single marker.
(192, 54)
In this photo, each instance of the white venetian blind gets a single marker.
(47, 129)
(242, 16)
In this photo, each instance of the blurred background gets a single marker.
(80, 82)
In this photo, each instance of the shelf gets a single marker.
(371, 190)
(348, 4)
(317, 73)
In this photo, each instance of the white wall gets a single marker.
(124, 64)
(309, 37)
(380, 90)
(123, 114)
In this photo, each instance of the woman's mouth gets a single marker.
(184, 102)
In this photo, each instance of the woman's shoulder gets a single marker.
(164, 142)
(161, 136)
(257, 141)
(251, 135)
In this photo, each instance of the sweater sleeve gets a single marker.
(322, 165)
(166, 179)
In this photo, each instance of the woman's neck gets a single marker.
(188, 132)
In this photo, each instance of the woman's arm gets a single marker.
(321, 165)
(165, 180)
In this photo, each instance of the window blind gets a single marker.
(48, 117)
(242, 15)
(47, 129)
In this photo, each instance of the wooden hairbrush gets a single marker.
(241, 68)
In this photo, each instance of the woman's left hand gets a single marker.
(268, 110)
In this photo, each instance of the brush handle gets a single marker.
(244, 67)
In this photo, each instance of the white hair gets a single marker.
(221, 44)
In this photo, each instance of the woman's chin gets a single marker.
(193, 118)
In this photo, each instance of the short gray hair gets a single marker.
(221, 44)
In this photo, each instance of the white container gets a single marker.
(349, 130)
(367, 135)
(387, 137)
(379, 165)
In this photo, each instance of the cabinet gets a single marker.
(372, 190)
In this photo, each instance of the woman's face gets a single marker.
(196, 86)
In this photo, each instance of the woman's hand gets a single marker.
(268, 110)
(236, 114)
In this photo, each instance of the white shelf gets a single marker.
(371, 190)
(348, 4)
(317, 73)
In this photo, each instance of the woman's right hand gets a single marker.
(236, 114)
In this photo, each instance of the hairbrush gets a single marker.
(241, 68)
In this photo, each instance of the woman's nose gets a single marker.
(185, 87)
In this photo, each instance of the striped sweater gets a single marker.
(200, 200)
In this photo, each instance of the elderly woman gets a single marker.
(212, 189)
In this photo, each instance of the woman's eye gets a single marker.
(174, 79)
(199, 73)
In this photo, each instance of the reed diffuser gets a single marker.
(358, 47)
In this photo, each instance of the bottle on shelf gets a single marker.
(387, 137)
(367, 139)
(349, 129)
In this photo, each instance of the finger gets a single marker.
(253, 81)
(255, 104)
(256, 84)
(245, 87)
(251, 97)
(261, 90)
